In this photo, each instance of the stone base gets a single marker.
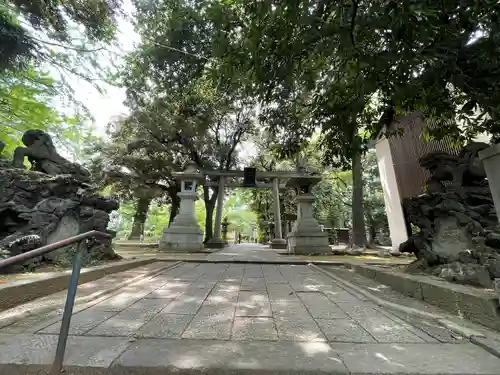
(183, 239)
(215, 243)
(300, 243)
(278, 243)
(384, 253)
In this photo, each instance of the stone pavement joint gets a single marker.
(225, 318)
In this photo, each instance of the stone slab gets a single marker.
(320, 307)
(253, 284)
(253, 271)
(216, 327)
(81, 322)
(23, 290)
(289, 309)
(417, 359)
(254, 329)
(129, 321)
(253, 304)
(80, 350)
(184, 305)
(299, 330)
(167, 326)
(232, 357)
(344, 330)
(476, 304)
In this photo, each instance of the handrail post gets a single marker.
(68, 309)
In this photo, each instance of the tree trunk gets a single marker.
(358, 217)
(209, 210)
(372, 227)
(141, 214)
(176, 203)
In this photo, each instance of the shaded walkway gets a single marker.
(228, 318)
(247, 251)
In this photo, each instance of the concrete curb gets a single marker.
(476, 305)
(441, 320)
(86, 301)
(263, 261)
(22, 291)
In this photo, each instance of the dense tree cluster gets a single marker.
(307, 80)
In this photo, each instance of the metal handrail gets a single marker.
(72, 286)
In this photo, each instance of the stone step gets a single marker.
(120, 356)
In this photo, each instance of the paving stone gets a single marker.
(298, 330)
(219, 357)
(344, 330)
(80, 350)
(32, 324)
(146, 308)
(254, 329)
(253, 304)
(275, 280)
(185, 305)
(165, 326)
(340, 296)
(389, 359)
(321, 307)
(208, 286)
(359, 309)
(387, 330)
(170, 290)
(222, 298)
(226, 310)
(304, 286)
(253, 270)
(289, 309)
(412, 328)
(217, 327)
(125, 323)
(226, 287)
(253, 284)
(117, 302)
(81, 322)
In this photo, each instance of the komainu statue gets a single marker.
(48, 203)
(458, 237)
(44, 158)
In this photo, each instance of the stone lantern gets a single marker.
(184, 234)
(306, 236)
(225, 225)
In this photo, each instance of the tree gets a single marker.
(183, 108)
(349, 67)
(138, 174)
(373, 201)
(26, 102)
(21, 24)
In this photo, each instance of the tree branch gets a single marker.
(355, 6)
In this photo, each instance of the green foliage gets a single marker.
(55, 20)
(240, 218)
(158, 219)
(347, 67)
(26, 103)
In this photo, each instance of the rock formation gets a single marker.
(459, 236)
(49, 203)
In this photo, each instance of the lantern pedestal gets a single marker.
(215, 243)
(184, 234)
(307, 237)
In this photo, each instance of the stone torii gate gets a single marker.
(185, 235)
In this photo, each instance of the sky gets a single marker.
(105, 106)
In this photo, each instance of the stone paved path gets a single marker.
(236, 317)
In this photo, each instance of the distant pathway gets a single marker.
(228, 318)
(247, 251)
